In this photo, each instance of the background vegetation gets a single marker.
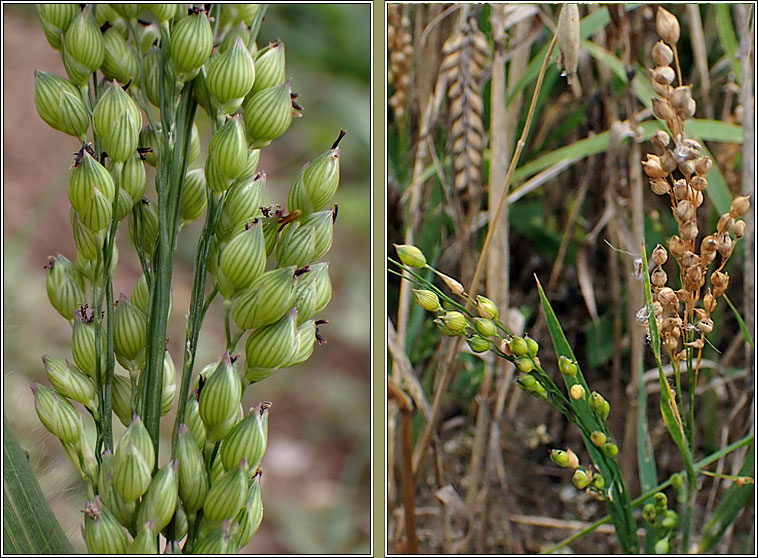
(579, 206)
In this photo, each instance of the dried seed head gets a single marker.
(698, 183)
(681, 189)
(688, 110)
(684, 211)
(688, 230)
(681, 96)
(672, 343)
(657, 308)
(683, 295)
(660, 255)
(668, 325)
(700, 314)
(668, 161)
(703, 165)
(689, 259)
(659, 186)
(725, 223)
(577, 392)
(660, 139)
(705, 326)
(709, 302)
(687, 151)
(687, 167)
(740, 206)
(725, 245)
(677, 246)
(739, 228)
(667, 26)
(455, 286)
(668, 299)
(662, 54)
(663, 74)
(663, 109)
(568, 40)
(720, 282)
(658, 277)
(708, 245)
(695, 274)
(653, 167)
(662, 89)
(693, 146)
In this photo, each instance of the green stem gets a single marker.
(197, 308)
(169, 184)
(255, 26)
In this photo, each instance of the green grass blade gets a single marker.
(728, 38)
(711, 130)
(743, 327)
(729, 507)
(668, 405)
(29, 526)
(645, 456)
(619, 506)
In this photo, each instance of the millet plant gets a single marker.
(136, 76)
(677, 316)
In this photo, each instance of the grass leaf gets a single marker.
(728, 38)
(29, 526)
(619, 505)
(743, 327)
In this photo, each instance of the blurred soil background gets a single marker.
(316, 471)
(487, 484)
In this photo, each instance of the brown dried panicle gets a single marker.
(678, 168)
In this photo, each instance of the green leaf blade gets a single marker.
(29, 526)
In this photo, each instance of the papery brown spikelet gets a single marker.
(465, 54)
(400, 53)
